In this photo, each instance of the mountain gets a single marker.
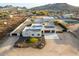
(56, 7)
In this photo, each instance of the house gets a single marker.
(43, 20)
(26, 31)
(38, 20)
(36, 30)
(48, 19)
(49, 28)
(68, 15)
(49, 31)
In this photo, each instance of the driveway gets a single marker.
(51, 36)
(8, 43)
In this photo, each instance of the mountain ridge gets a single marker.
(56, 7)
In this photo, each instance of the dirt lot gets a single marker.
(11, 24)
(66, 45)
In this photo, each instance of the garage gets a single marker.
(49, 28)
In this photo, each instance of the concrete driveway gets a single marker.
(51, 36)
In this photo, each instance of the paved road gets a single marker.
(8, 43)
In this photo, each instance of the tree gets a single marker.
(40, 12)
(4, 15)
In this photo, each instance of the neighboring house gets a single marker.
(48, 19)
(49, 28)
(50, 31)
(38, 20)
(68, 15)
(44, 20)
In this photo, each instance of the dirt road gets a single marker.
(66, 45)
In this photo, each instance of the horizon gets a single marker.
(27, 5)
(35, 3)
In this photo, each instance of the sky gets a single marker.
(34, 3)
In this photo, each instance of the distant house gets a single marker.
(43, 20)
(38, 20)
(48, 19)
(68, 15)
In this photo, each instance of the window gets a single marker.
(38, 34)
(14, 34)
(53, 31)
(49, 26)
(32, 34)
(47, 31)
(37, 26)
(27, 30)
(35, 30)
